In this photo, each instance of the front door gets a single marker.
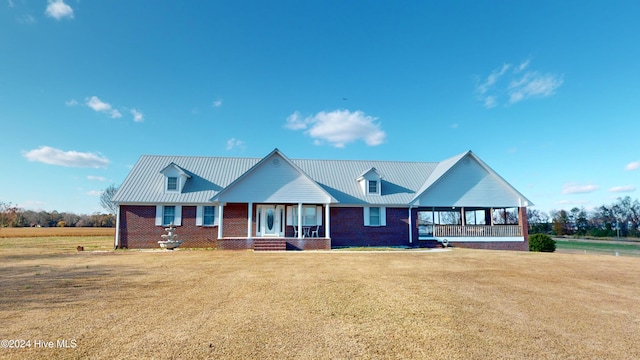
(271, 220)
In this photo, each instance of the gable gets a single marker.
(469, 183)
(274, 179)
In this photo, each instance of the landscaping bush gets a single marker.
(541, 242)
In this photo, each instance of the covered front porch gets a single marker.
(274, 221)
(472, 223)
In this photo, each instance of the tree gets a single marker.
(9, 214)
(538, 221)
(560, 222)
(105, 199)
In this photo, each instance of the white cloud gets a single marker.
(571, 202)
(626, 188)
(94, 192)
(57, 9)
(533, 84)
(579, 189)
(492, 79)
(632, 165)
(100, 106)
(234, 143)
(511, 84)
(338, 127)
(71, 102)
(49, 155)
(217, 103)
(137, 115)
(523, 65)
(97, 178)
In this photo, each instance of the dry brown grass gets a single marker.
(55, 231)
(227, 304)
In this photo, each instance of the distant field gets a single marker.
(618, 248)
(55, 231)
(459, 304)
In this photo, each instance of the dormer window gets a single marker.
(373, 186)
(175, 178)
(370, 182)
(172, 183)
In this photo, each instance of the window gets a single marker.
(207, 216)
(168, 215)
(375, 216)
(475, 217)
(505, 216)
(373, 187)
(172, 183)
(309, 215)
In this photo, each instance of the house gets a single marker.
(276, 202)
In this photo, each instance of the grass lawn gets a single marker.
(599, 247)
(472, 304)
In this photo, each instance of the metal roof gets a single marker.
(210, 175)
(402, 182)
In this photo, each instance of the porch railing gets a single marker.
(477, 230)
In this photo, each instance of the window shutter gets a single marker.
(215, 215)
(383, 216)
(178, 220)
(366, 216)
(199, 215)
(290, 215)
(159, 215)
(318, 215)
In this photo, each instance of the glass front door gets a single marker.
(271, 220)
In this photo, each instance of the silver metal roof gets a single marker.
(402, 184)
(210, 175)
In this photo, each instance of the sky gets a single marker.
(547, 93)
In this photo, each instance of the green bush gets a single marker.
(541, 242)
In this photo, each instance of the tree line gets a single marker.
(619, 219)
(13, 216)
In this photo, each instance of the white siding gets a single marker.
(470, 184)
(275, 184)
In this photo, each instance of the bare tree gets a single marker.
(105, 199)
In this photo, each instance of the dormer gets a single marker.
(174, 178)
(370, 182)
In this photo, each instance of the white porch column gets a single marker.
(117, 237)
(410, 227)
(250, 221)
(220, 219)
(327, 222)
(464, 216)
(299, 220)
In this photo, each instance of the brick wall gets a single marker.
(497, 245)
(138, 229)
(347, 228)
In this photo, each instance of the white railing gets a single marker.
(477, 230)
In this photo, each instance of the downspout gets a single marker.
(117, 237)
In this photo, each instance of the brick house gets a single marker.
(277, 202)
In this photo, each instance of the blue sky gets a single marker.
(546, 92)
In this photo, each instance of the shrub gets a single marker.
(541, 242)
